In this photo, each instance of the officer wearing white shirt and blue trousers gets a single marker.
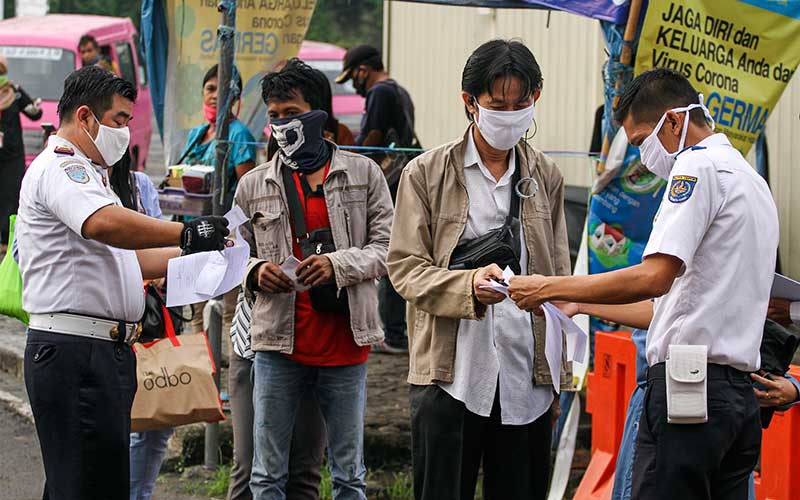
(82, 258)
(709, 265)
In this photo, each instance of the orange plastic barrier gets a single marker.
(609, 388)
(779, 478)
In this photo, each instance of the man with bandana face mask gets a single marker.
(299, 343)
(83, 257)
(709, 267)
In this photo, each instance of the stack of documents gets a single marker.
(201, 276)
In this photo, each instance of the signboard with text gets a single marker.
(739, 53)
(267, 33)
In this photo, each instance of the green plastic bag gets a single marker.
(11, 283)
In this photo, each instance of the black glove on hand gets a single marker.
(204, 234)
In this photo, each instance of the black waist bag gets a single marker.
(324, 298)
(499, 246)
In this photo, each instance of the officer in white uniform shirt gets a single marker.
(83, 257)
(709, 265)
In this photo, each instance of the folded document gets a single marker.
(201, 276)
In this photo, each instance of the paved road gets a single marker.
(21, 473)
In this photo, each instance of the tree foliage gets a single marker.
(347, 22)
(116, 8)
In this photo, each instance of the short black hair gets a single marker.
(213, 72)
(654, 92)
(88, 39)
(296, 77)
(497, 59)
(95, 87)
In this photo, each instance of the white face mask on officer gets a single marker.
(653, 153)
(110, 142)
(503, 129)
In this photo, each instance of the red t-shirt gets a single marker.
(320, 339)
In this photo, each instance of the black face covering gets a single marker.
(301, 142)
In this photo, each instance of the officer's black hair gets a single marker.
(296, 78)
(654, 92)
(123, 182)
(95, 87)
(499, 59)
(88, 39)
(212, 73)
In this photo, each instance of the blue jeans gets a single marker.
(278, 385)
(147, 452)
(623, 478)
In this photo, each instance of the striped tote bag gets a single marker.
(240, 327)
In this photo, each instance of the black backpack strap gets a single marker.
(293, 200)
(513, 210)
(406, 114)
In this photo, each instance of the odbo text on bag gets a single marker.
(166, 380)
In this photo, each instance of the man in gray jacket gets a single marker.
(312, 322)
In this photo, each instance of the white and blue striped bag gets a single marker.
(240, 327)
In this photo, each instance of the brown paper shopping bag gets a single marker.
(176, 384)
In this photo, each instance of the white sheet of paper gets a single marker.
(559, 324)
(576, 337)
(553, 347)
(182, 273)
(235, 218)
(201, 276)
(225, 270)
(289, 268)
(785, 288)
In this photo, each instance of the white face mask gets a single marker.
(110, 142)
(503, 129)
(654, 155)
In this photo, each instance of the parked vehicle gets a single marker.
(347, 105)
(42, 51)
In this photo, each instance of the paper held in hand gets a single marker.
(558, 324)
(785, 288)
(289, 268)
(201, 276)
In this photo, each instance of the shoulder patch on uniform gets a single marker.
(76, 172)
(681, 188)
(64, 150)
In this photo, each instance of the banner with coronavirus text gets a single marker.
(739, 53)
(267, 33)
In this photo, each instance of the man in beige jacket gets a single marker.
(330, 210)
(481, 390)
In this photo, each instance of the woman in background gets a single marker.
(201, 150)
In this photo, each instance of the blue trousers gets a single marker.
(147, 452)
(279, 384)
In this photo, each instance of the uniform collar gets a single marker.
(718, 139)
(54, 141)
